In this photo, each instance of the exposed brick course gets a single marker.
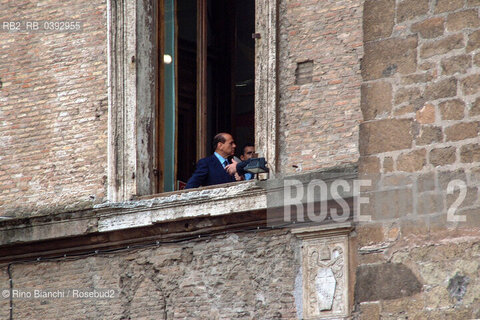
(53, 130)
(318, 121)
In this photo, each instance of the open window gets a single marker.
(206, 81)
(161, 116)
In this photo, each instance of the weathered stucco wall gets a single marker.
(320, 46)
(53, 107)
(419, 147)
(235, 276)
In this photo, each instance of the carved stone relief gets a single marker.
(325, 275)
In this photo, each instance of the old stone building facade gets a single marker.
(381, 94)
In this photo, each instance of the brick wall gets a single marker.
(53, 107)
(419, 101)
(417, 91)
(236, 276)
(320, 106)
(53, 138)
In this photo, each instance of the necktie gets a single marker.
(225, 163)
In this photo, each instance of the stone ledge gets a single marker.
(205, 202)
(232, 198)
(163, 216)
(314, 232)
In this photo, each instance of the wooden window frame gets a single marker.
(132, 83)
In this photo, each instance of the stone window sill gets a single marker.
(184, 204)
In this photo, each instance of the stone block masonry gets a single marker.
(236, 276)
(419, 137)
(412, 272)
(447, 81)
(420, 92)
(53, 108)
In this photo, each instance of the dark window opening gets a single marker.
(214, 79)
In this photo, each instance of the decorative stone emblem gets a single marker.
(325, 284)
(325, 272)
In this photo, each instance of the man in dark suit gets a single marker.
(248, 151)
(211, 170)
